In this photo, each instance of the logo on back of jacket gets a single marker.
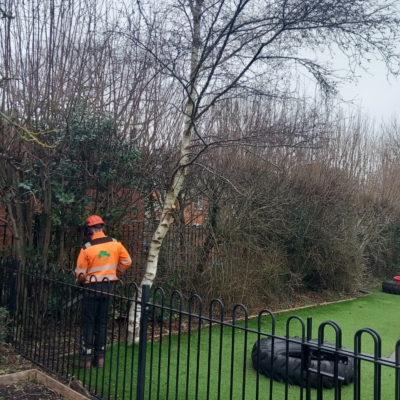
(103, 254)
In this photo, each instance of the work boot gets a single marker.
(83, 364)
(98, 362)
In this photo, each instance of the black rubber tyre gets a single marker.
(345, 370)
(391, 287)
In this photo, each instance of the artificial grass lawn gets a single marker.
(237, 379)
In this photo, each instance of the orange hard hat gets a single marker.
(94, 220)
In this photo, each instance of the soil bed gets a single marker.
(27, 390)
(11, 361)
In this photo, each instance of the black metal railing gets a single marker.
(182, 247)
(188, 351)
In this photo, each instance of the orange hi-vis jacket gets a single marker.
(102, 261)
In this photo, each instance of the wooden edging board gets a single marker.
(45, 380)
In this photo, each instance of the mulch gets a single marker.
(11, 362)
(27, 390)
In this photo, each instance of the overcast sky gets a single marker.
(376, 94)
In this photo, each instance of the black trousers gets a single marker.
(95, 305)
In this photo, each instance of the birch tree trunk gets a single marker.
(176, 183)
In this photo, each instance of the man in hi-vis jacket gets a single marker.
(101, 261)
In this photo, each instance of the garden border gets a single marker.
(43, 379)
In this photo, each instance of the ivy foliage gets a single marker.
(95, 168)
(92, 168)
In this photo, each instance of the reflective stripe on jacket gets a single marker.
(102, 261)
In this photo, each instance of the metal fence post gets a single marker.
(12, 299)
(141, 376)
(307, 359)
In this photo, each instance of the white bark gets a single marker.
(177, 182)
